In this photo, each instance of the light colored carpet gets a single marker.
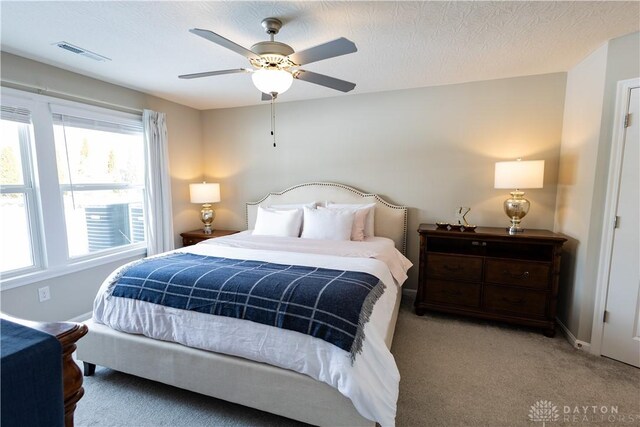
(455, 372)
(461, 372)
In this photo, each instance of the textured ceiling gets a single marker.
(400, 44)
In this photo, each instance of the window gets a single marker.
(73, 187)
(101, 173)
(19, 249)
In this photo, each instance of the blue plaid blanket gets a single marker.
(333, 305)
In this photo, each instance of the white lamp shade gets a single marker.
(519, 174)
(267, 81)
(204, 193)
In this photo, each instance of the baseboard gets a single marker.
(576, 343)
(82, 317)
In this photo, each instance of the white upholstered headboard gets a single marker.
(390, 220)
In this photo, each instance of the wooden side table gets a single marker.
(196, 236)
(67, 334)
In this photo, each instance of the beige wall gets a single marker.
(591, 90)
(432, 149)
(72, 295)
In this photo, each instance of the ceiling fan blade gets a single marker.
(327, 50)
(322, 80)
(218, 39)
(265, 97)
(213, 73)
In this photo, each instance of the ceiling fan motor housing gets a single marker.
(272, 54)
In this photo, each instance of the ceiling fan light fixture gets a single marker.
(272, 80)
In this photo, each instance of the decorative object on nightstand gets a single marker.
(205, 193)
(196, 236)
(491, 274)
(518, 175)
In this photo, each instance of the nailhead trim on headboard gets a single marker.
(345, 187)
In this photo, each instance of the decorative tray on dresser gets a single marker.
(491, 274)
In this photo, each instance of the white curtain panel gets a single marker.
(157, 184)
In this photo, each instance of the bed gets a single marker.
(295, 387)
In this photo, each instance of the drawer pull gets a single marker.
(479, 243)
(453, 269)
(522, 276)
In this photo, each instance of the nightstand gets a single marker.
(491, 274)
(196, 236)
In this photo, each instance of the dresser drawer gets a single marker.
(513, 300)
(451, 267)
(519, 273)
(188, 241)
(442, 291)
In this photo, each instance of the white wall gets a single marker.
(578, 159)
(432, 149)
(72, 295)
(585, 151)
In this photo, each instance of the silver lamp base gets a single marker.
(516, 207)
(207, 214)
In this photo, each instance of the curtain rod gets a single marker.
(67, 96)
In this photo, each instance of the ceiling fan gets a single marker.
(276, 64)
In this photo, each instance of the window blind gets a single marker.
(88, 123)
(15, 114)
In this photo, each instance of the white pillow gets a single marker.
(359, 221)
(327, 224)
(290, 206)
(369, 212)
(271, 222)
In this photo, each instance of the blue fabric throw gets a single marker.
(333, 305)
(31, 366)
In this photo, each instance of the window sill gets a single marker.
(72, 267)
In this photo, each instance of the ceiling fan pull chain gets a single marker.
(273, 119)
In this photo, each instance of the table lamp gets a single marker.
(518, 175)
(205, 193)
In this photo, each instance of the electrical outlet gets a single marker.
(44, 294)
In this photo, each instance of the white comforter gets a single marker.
(371, 382)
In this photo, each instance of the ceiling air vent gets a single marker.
(80, 51)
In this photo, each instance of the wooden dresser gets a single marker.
(490, 274)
